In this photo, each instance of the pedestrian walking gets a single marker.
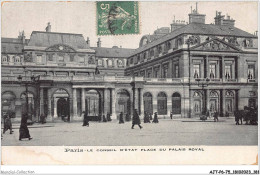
(136, 120)
(7, 123)
(121, 118)
(146, 118)
(150, 116)
(86, 119)
(215, 116)
(24, 131)
(99, 118)
(104, 118)
(108, 117)
(42, 119)
(171, 115)
(236, 113)
(155, 118)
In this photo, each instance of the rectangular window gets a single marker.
(61, 59)
(156, 73)
(131, 60)
(196, 71)
(251, 71)
(212, 71)
(165, 72)
(176, 71)
(228, 71)
(39, 58)
(81, 59)
(149, 74)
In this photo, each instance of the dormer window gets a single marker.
(152, 53)
(4, 59)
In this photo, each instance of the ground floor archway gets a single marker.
(93, 104)
(148, 103)
(123, 103)
(61, 105)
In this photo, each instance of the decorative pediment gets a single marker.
(215, 45)
(60, 48)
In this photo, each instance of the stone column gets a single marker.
(141, 104)
(207, 67)
(207, 99)
(223, 69)
(74, 103)
(113, 101)
(136, 104)
(105, 101)
(132, 103)
(224, 101)
(41, 101)
(50, 117)
(169, 105)
(83, 100)
(55, 107)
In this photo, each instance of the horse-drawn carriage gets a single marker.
(249, 115)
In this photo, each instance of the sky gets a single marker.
(80, 17)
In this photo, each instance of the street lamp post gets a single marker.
(26, 83)
(203, 84)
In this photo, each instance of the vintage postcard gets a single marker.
(129, 82)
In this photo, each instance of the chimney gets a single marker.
(99, 43)
(88, 42)
(48, 28)
(177, 24)
(195, 17)
(220, 20)
(22, 36)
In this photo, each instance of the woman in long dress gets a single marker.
(24, 131)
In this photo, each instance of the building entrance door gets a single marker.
(92, 104)
(63, 109)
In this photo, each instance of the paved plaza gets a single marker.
(186, 131)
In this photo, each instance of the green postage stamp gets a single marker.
(117, 17)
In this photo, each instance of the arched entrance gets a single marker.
(31, 106)
(213, 101)
(123, 102)
(162, 103)
(61, 105)
(8, 103)
(176, 103)
(93, 104)
(197, 102)
(148, 103)
(229, 103)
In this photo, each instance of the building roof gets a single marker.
(47, 39)
(199, 29)
(114, 52)
(12, 45)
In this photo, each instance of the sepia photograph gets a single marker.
(129, 73)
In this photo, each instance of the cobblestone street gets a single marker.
(167, 132)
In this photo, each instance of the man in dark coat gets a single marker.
(121, 119)
(104, 118)
(150, 116)
(236, 113)
(42, 119)
(155, 118)
(171, 115)
(136, 120)
(215, 115)
(108, 117)
(7, 123)
(24, 131)
(86, 119)
(146, 118)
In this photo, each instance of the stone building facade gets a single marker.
(186, 69)
(197, 67)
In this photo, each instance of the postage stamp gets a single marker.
(117, 17)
